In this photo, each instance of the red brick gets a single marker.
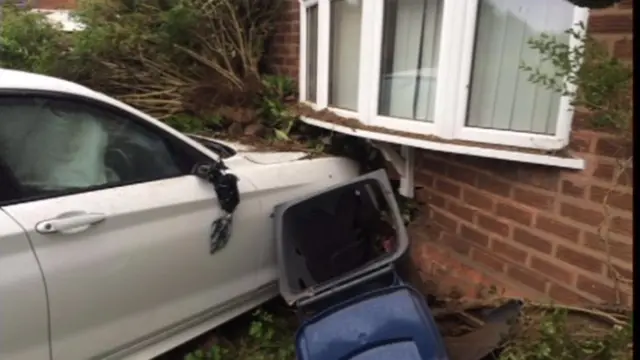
(614, 148)
(448, 188)
(431, 198)
(476, 199)
(585, 216)
(421, 177)
(598, 289)
(458, 245)
(579, 142)
(626, 178)
(622, 273)
(492, 225)
(473, 235)
(580, 260)
(565, 296)
(610, 24)
(527, 239)
(604, 171)
(543, 177)
(433, 165)
(619, 250)
(616, 199)
(445, 221)
(432, 232)
(621, 225)
(551, 270)
(461, 211)
(493, 185)
(463, 175)
(508, 251)
(527, 277)
(580, 121)
(533, 198)
(487, 260)
(556, 227)
(514, 213)
(625, 4)
(570, 188)
(623, 49)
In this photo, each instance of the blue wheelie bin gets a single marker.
(388, 323)
(336, 250)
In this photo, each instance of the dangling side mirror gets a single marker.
(224, 183)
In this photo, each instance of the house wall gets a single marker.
(531, 231)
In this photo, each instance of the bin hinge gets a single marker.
(402, 162)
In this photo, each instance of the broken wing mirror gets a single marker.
(224, 183)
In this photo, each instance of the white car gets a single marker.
(116, 239)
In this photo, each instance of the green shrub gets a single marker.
(29, 42)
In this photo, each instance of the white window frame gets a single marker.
(453, 74)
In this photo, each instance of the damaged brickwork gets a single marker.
(489, 225)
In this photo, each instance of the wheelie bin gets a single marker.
(336, 251)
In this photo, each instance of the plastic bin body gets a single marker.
(298, 285)
(390, 323)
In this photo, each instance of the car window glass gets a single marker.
(52, 146)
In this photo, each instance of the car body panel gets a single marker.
(24, 333)
(146, 266)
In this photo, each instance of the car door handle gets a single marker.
(70, 223)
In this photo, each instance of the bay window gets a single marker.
(449, 69)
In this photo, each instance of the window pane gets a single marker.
(501, 95)
(312, 52)
(51, 146)
(410, 58)
(345, 53)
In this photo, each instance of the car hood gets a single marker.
(249, 153)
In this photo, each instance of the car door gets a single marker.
(23, 302)
(120, 226)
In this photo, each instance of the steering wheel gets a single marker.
(117, 160)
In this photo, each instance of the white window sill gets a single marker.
(480, 151)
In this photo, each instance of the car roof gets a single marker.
(22, 80)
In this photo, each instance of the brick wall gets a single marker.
(284, 51)
(529, 230)
(528, 225)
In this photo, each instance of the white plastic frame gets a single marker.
(453, 74)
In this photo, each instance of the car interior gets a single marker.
(52, 146)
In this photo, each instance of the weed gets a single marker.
(554, 336)
(268, 337)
